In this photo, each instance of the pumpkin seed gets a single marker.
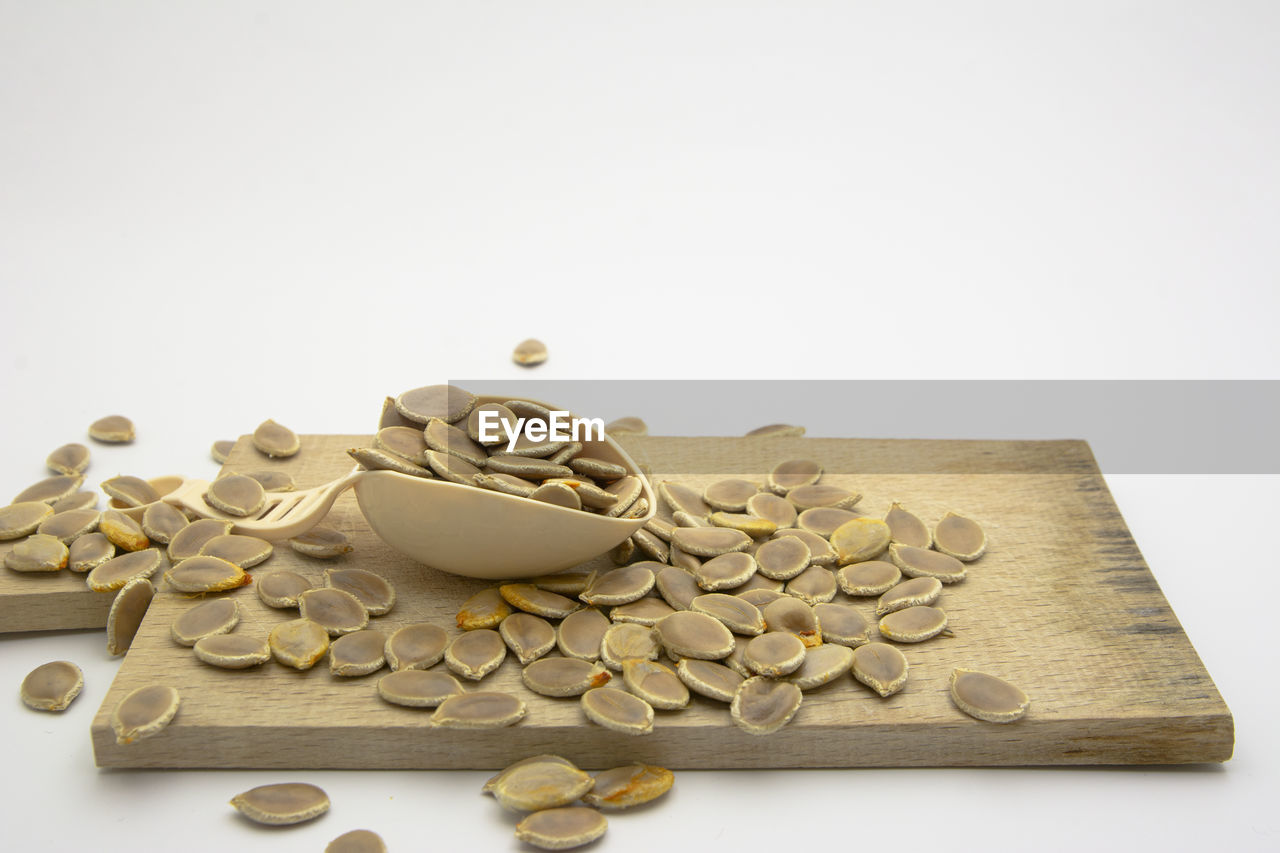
(756, 528)
(562, 828)
(508, 484)
(276, 440)
(122, 530)
(729, 495)
(791, 474)
(67, 527)
(580, 633)
(528, 410)
(660, 528)
(859, 539)
(774, 654)
(677, 587)
(686, 562)
(406, 442)
(321, 542)
(528, 636)
(770, 507)
(485, 609)
(76, 500)
(220, 450)
(627, 490)
(445, 438)
(125, 616)
(201, 574)
(52, 686)
(960, 537)
(625, 641)
(820, 495)
(526, 467)
(357, 841)
(694, 635)
(920, 563)
(113, 429)
(218, 616)
(905, 528)
(987, 697)
(597, 469)
(624, 552)
(446, 402)
(501, 423)
(245, 551)
(646, 611)
(273, 481)
(89, 551)
(359, 653)
(527, 597)
(162, 521)
(639, 509)
(618, 710)
(881, 667)
(793, 616)
(416, 688)
(118, 571)
(822, 665)
(281, 589)
(540, 785)
(842, 625)
(655, 683)
(620, 586)
(824, 521)
(629, 425)
(778, 430)
(298, 643)
(560, 677)
(557, 494)
(50, 489)
(782, 559)
(738, 616)
(376, 459)
(759, 597)
(188, 541)
(493, 780)
(68, 459)
(336, 610)
(232, 651)
(913, 624)
(710, 541)
(820, 551)
(708, 678)
(534, 448)
(872, 577)
(282, 805)
(416, 646)
(144, 712)
(476, 653)
(758, 581)
(589, 493)
(479, 710)
(734, 662)
(372, 590)
(762, 706)
(814, 585)
(651, 545)
(236, 494)
(130, 491)
(916, 591)
(681, 498)
(390, 416)
(530, 353)
(631, 785)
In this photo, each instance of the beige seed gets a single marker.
(282, 805)
(591, 495)
(694, 635)
(792, 474)
(273, 481)
(529, 637)
(922, 563)
(50, 489)
(778, 431)
(416, 688)
(21, 519)
(759, 581)
(824, 521)
(527, 597)
(859, 539)
(881, 667)
(820, 551)
(639, 509)
(68, 459)
(144, 713)
(646, 611)
(629, 425)
(677, 587)
(813, 586)
(734, 662)
(487, 788)
(681, 560)
(357, 841)
(501, 423)
(125, 616)
(533, 448)
(557, 494)
(579, 634)
(655, 683)
(298, 643)
(562, 828)
(203, 574)
(390, 416)
(220, 450)
(236, 494)
(620, 586)
(529, 353)
(162, 521)
(280, 589)
(872, 577)
(822, 665)
(772, 508)
(774, 654)
(486, 609)
(598, 469)
(451, 468)
(130, 491)
(322, 543)
(651, 545)
(447, 402)
(710, 541)
(372, 590)
(76, 500)
(708, 678)
(375, 459)
(762, 705)
(759, 597)
(508, 484)
(782, 559)
(842, 624)
(417, 646)
(914, 624)
(793, 616)
(625, 641)
(480, 710)
(67, 527)
(445, 438)
(660, 528)
(89, 551)
(245, 551)
(756, 528)
(684, 519)
(123, 531)
(336, 610)
(681, 498)
(405, 442)
(188, 541)
(906, 529)
(276, 440)
(627, 490)
(820, 496)
(618, 711)
(232, 651)
(561, 677)
(219, 616)
(960, 537)
(631, 785)
(540, 785)
(737, 615)
(917, 591)
(987, 697)
(113, 429)
(358, 653)
(52, 686)
(729, 495)
(476, 653)
(118, 571)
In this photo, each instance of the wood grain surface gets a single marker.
(1062, 605)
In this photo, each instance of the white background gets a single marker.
(212, 214)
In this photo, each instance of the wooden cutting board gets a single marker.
(1062, 605)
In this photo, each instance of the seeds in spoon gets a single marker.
(76, 500)
(709, 541)
(376, 459)
(793, 616)
(298, 643)
(232, 651)
(357, 841)
(580, 633)
(824, 521)
(188, 541)
(881, 667)
(481, 710)
(655, 683)
(220, 450)
(21, 519)
(729, 495)
(162, 521)
(916, 591)
(451, 468)
(407, 443)
(625, 641)
(620, 586)
(921, 563)
(336, 610)
(872, 577)
(762, 705)
(322, 543)
(646, 611)
(125, 616)
(276, 440)
(69, 526)
(500, 422)
(280, 589)
(527, 597)
(68, 459)
(914, 624)
(282, 805)
(236, 494)
(792, 474)
(144, 712)
(960, 537)
(562, 828)
(446, 402)
(118, 571)
(50, 489)
(695, 635)
(446, 438)
(627, 491)
(618, 710)
(681, 498)
(202, 574)
(529, 353)
(273, 481)
(708, 678)
(782, 559)
(358, 653)
(907, 529)
(508, 484)
(557, 494)
(820, 551)
(122, 530)
(89, 551)
(677, 587)
(218, 616)
(842, 624)
(529, 637)
(417, 646)
(245, 551)
(52, 686)
(813, 586)
(772, 508)
(113, 429)
(476, 653)
(130, 491)
(631, 785)
(859, 539)
(774, 654)
(987, 697)
(597, 469)
(629, 425)
(738, 616)
(822, 665)
(540, 785)
(416, 688)
(373, 590)
(486, 609)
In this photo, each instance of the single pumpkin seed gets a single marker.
(782, 559)
(646, 611)
(597, 469)
(590, 495)
(770, 507)
(681, 498)
(89, 551)
(820, 551)
(276, 440)
(322, 543)
(539, 448)
(620, 586)
(130, 491)
(406, 442)
(842, 624)
(560, 677)
(298, 643)
(416, 688)
(695, 635)
(824, 521)
(708, 678)
(729, 495)
(618, 710)
(759, 581)
(639, 509)
(376, 459)
(162, 521)
(236, 494)
(987, 697)
(905, 528)
(481, 710)
(960, 537)
(756, 528)
(358, 653)
(921, 563)
(914, 624)
(677, 587)
(487, 788)
(76, 500)
(67, 527)
(203, 574)
(336, 610)
(113, 429)
(651, 545)
(881, 667)
(681, 560)
(565, 583)
(486, 609)
(282, 805)
(68, 459)
(627, 490)
(859, 539)
(446, 402)
(390, 416)
(734, 662)
(417, 646)
(739, 616)
(872, 577)
(655, 683)
(793, 616)
(501, 424)
(527, 597)
(774, 654)
(232, 651)
(526, 467)
(629, 425)
(220, 450)
(122, 530)
(188, 541)
(52, 686)
(528, 636)
(684, 519)
(530, 353)
(528, 410)
(452, 468)
(759, 597)
(125, 616)
(660, 528)
(778, 430)
(710, 541)
(357, 841)
(218, 616)
(475, 654)
(446, 438)
(911, 593)
(580, 633)
(280, 589)
(372, 590)
(631, 785)
(762, 705)
(245, 551)
(508, 484)
(118, 571)
(564, 456)
(814, 585)
(540, 785)
(562, 828)
(791, 474)
(557, 494)
(144, 712)
(50, 489)
(273, 481)
(822, 496)
(625, 641)
(822, 665)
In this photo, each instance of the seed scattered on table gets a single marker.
(188, 541)
(245, 551)
(708, 678)
(50, 489)
(825, 521)
(527, 597)
(89, 551)
(655, 683)
(538, 785)
(529, 637)
(113, 429)
(792, 474)
(69, 526)
(739, 616)
(144, 713)
(22, 519)
(793, 616)
(373, 590)
(125, 616)
(905, 528)
(920, 563)
(282, 805)
(220, 450)
(563, 828)
(694, 635)
(232, 651)
(118, 571)
(161, 522)
(822, 496)
(618, 710)
(486, 609)
(881, 667)
(814, 585)
(475, 654)
(645, 611)
(913, 624)
(276, 440)
(774, 654)
(273, 481)
(782, 559)
(68, 459)
(529, 353)
(842, 624)
(627, 786)
(910, 593)
(218, 616)
(337, 611)
(236, 494)
(860, 539)
(756, 528)
(52, 686)
(626, 641)
(560, 677)
(580, 633)
(677, 587)
(481, 710)
(359, 653)
(822, 665)
(321, 542)
(563, 583)
(960, 537)
(417, 688)
(417, 646)
(130, 491)
(709, 541)
(729, 495)
(298, 643)
(760, 597)
(987, 697)
(357, 841)
(280, 589)
(76, 500)
(820, 551)
(203, 574)
(123, 531)
(620, 586)
(762, 705)
(872, 577)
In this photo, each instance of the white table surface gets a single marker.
(213, 214)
